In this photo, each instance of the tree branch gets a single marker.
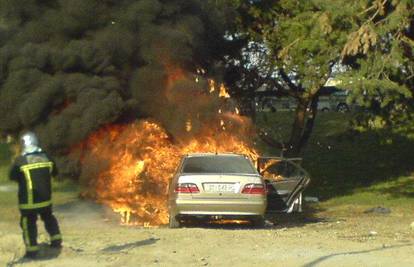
(288, 81)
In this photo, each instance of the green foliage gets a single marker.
(381, 72)
(367, 45)
(342, 161)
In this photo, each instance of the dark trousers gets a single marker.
(28, 224)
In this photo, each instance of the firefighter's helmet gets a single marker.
(30, 143)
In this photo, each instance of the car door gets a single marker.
(285, 181)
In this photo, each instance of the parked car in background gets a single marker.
(336, 101)
(221, 185)
(330, 99)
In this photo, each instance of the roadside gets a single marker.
(327, 234)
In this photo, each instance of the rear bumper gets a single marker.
(234, 207)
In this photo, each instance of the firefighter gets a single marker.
(33, 170)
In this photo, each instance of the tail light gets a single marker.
(254, 189)
(186, 188)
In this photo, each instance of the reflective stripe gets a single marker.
(36, 166)
(26, 237)
(56, 237)
(29, 186)
(26, 170)
(36, 205)
(25, 232)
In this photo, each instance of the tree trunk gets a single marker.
(253, 114)
(297, 128)
(309, 123)
(302, 126)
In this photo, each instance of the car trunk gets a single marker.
(222, 186)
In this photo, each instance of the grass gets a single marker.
(5, 156)
(347, 166)
(4, 170)
(395, 193)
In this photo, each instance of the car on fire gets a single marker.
(229, 186)
(220, 185)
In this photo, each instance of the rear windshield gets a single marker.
(218, 164)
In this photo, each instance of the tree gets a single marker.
(306, 41)
(379, 56)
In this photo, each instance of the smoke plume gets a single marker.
(70, 67)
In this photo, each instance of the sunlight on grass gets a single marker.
(4, 172)
(395, 193)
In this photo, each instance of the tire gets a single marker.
(173, 222)
(342, 107)
(325, 110)
(258, 221)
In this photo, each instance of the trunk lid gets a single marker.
(224, 186)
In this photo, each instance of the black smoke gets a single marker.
(68, 67)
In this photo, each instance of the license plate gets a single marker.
(229, 188)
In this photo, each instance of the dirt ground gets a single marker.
(345, 237)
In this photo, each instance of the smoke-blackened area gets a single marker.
(117, 91)
(69, 67)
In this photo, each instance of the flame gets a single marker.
(128, 166)
(211, 85)
(223, 92)
(188, 126)
(140, 160)
(270, 175)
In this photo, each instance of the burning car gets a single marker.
(224, 185)
(227, 185)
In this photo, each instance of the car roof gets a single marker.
(189, 155)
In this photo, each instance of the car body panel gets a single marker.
(226, 199)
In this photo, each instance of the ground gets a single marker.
(326, 234)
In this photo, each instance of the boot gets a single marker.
(30, 255)
(56, 243)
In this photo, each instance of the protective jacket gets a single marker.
(33, 172)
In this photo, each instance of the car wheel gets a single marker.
(173, 222)
(342, 107)
(258, 221)
(325, 109)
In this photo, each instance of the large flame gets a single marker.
(135, 162)
(140, 160)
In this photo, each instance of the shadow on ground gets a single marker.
(272, 221)
(45, 253)
(128, 246)
(327, 257)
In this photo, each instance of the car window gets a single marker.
(280, 170)
(218, 164)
